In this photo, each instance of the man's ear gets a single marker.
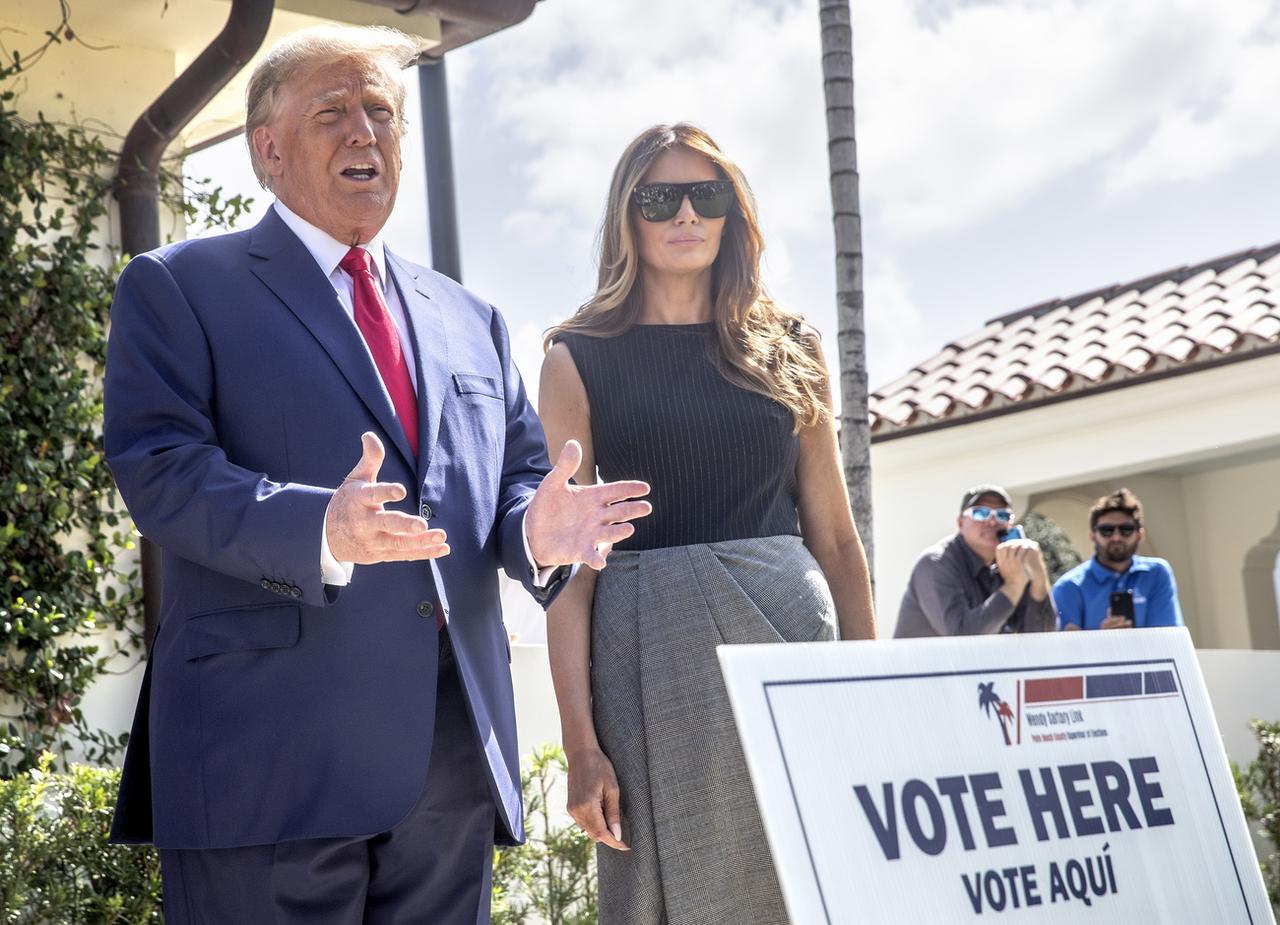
(264, 146)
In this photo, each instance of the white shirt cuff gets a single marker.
(333, 572)
(540, 575)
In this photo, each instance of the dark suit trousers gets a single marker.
(433, 867)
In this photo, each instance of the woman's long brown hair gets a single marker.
(759, 349)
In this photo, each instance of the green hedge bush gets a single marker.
(1060, 556)
(61, 529)
(56, 867)
(1259, 789)
(66, 569)
(552, 877)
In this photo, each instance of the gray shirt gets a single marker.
(952, 592)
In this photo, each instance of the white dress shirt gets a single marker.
(328, 253)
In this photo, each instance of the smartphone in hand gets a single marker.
(1122, 604)
(1013, 533)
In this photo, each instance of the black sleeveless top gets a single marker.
(720, 460)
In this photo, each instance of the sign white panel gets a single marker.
(1063, 777)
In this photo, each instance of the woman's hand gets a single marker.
(594, 798)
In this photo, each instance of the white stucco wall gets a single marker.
(1243, 686)
(1230, 509)
(537, 719)
(127, 51)
(1204, 518)
(1177, 442)
(106, 90)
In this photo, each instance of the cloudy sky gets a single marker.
(1011, 151)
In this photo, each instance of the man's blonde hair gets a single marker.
(309, 48)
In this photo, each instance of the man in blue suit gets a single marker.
(326, 730)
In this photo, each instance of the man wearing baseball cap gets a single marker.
(976, 580)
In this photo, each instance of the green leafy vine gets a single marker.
(67, 578)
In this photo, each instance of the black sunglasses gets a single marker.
(659, 202)
(1107, 530)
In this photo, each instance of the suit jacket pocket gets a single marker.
(473, 384)
(274, 626)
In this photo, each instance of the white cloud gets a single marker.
(526, 350)
(990, 103)
(578, 85)
(897, 335)
(1231, 115)
(964, 109)
(960, 114)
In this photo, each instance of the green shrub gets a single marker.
(55, 864)
(1060, 556)
(61, 530)
(552, 877)
(1259, 789)
(66, 569)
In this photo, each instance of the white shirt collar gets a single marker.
(328, 251)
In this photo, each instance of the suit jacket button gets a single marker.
(277, 587)
(426, 512)
(426, 608)
(295, 592)
(266, 584)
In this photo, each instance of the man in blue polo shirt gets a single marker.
(1083, 595)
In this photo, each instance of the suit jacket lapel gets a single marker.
(288, 269)
(430, 350)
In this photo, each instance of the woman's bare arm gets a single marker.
(826, 522)
(593, 787)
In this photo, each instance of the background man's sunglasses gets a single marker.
(1106, 530)
(982, 513)
(659, 202)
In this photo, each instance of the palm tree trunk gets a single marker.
(842, 152)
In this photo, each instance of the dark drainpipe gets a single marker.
(437, 149)
(137, 184)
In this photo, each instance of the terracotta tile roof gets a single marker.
(1169, 323)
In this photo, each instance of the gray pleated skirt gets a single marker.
(698, 849)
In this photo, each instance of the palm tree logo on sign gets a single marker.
(987, 699)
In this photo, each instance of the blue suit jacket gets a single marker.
(276, 707)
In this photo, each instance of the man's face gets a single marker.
(1117, 548)
(983, 536)
(332, 147)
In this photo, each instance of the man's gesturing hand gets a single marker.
(567, 524)
(360, 531)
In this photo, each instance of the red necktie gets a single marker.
(375, 323)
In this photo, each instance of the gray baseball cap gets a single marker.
(977, 491)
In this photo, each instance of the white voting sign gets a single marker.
(1065, 777)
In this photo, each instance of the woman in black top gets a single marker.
(681, 372)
